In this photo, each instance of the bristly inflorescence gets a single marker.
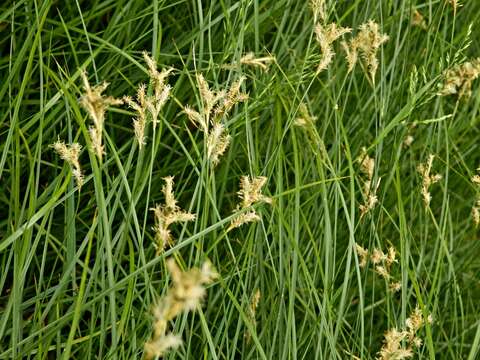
(166, 215)
(459, 79)
(382, 262)
(215, 106)
(394, 339)
(326, 34)
(427, 179)
(149, 104)
(263, 62)
(370, 187)
(185, 294)
(70, 153)
(367, 42)
(250, 193)
(95, 104)
(476, 206)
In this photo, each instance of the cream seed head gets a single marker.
(427, 179)
(95, 104)
(362, 254)
(459, 79)
(263, 62)
(326, 35)
(368, 41)
(217, 143)
(185, 294)
(70, 153)
(166, 215)
(319, 10)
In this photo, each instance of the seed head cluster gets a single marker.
(166, 215)
(250, 193)
(370, 187)
(476, 206)
(382, 263)
(95, 104)
(326, 35)
(185, 294)
(367, 42)
(70, 153)
(262, 63)
(149, 104)
(427, 179)
(459, 79)
(393, 347)
(210, 119)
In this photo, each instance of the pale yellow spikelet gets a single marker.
(140, 107)
(232, 97)
(166, 215)
(383, 272)
(395, 286)
(244, 218)
(367, 42)
(185, 294)
(326, 35)
(351, 52)
(476, 213)
(251, 191)
(377, 256)
(95, 104)
(459, 79)
(215, 106)
(418, 20)
(362, 254)
(262, 62)
(161, 345)
(370, 187)
(390, 258)
(304, 118)
(455, 4)
(217, 142)
(161, 90)
(70, 153)
(427, 179)
(319, 10)
(392, 346)
(196, 119)
(476, 206)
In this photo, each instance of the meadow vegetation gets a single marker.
(239, 179)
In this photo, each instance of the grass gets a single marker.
(80, 272)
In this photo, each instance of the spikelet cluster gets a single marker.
(419, 20)
(250, 193)
(262, 62)
(393, 347)
(459, 79)
(427, 179)
(149, 104)
(370, 187)
(304, 118)
(319, 10)
(215, 106)
(326, 34)
(382, 263)
(95, 104)
(70, 154)
(166, 215)
(476, 206)
(367, 42)
(185, 294)
(455, 4)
